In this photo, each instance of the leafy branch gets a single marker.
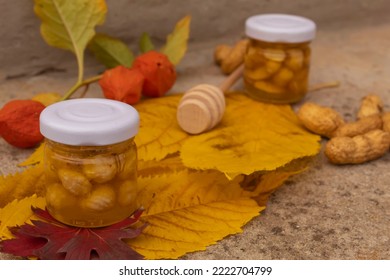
(70, 25)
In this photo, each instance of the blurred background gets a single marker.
(22, 50)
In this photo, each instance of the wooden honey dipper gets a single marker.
(202, 107)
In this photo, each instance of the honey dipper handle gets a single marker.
(232, 78)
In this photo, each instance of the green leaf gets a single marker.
(176, 45)
(145, 43)
(111, 51)
(70, 25)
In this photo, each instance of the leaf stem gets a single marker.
(80, 64)
(91, 80)
(80, 84)
(324, 86)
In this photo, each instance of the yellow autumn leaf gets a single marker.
(253, 136)
(47, 98)
(22, 184)
(186, 188)
(176, 45)
(35, 157)
(70, 25)
(190, 210)
(17, 213)
(173, 234)
(261, 184)
(152, 168)
(159, 134)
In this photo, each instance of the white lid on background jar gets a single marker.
(280, 28)
(89, 122)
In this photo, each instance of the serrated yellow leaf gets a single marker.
(176, 45)
(252, 136)
(173, 234)
(47, 98)
(159, 133)
(22, 184)
(36, 157)
(152, 168)
(188, 210)
(17, 213)
(262, 184)
(110, 51)
(175, 190)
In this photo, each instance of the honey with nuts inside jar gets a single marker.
(90, 161)
(277, 59)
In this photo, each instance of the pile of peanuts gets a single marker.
(355, 142)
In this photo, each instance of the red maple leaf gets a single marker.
(53, 240)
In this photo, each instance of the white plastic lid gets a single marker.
(280, 28)
(89, 122)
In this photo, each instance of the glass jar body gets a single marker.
(91, 186)
(277, 72)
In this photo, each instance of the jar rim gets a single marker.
(89, 122)
(280, 28)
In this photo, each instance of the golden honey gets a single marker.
(277, 60)
(91, 186)
(90, 160)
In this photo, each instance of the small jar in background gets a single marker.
(277, 59)
(90, 161)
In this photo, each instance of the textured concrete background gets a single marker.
(328, 212)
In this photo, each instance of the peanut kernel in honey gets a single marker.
(268, 87)
(74, 182)
(272, 66)
(294, 59)
(127, 192)
(102, 198)
(101, 169)
(274, 54)
(57, 197)
(283, 76)
(257, 74)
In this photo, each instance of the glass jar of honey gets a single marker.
(277, 59)
(90, 161)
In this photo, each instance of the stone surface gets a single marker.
(327, 212)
